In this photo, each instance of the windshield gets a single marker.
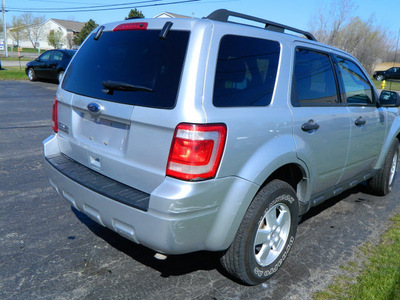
(135, 58)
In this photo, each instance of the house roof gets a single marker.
(70, 25)
(170, 15)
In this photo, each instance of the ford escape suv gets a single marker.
(206, 134)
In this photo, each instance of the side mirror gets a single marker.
(37, 59)
(389, 99)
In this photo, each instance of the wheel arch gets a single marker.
(295, 174)
(393, 133)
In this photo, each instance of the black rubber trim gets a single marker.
(223, 16)
(100, 183)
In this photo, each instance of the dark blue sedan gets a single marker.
(50, 65)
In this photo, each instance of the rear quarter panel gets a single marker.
(259, 138)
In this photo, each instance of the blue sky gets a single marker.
(296, 13)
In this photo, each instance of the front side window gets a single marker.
(356, 88)
(246, 71)
(314, 81)
(132, 67)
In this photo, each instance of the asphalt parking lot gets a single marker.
(50, 251)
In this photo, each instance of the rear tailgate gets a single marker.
(113, 143)
(116, 102)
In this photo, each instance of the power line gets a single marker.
(63, 2)
(86, 7)
(128, 5)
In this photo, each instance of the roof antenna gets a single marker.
(165, 30)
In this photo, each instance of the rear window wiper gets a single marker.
(110, 86)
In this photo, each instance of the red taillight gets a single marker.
(196, 151)
(131, 26)
(55, 115)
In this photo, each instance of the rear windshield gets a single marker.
(139, 67)
(70, 53)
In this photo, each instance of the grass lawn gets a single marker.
(377, 278)
(26, 50)
(13, 73)
(15, 58)
(390, 85)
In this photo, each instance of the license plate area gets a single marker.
(102, 131)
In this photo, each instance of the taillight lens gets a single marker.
(196, 151)
(131, 26)
(55, 115)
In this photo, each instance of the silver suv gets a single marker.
(205, 134)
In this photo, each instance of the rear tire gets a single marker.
(60, 76)
(381, 184)
(265, 235)
(31, 74)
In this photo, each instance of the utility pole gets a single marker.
(3, 9)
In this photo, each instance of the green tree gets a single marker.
(336, 25)
(86, 30)
(32, 27)
(134, 13)
(17, 30)
(55, 38)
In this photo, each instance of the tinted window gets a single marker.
(138, 58)
(314, 81)
(356, 87)
(45, 56)
(57, 55)
(246, 71)
(69, 53)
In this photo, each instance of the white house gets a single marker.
(170, 15)
(38, 34)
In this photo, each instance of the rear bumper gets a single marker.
(179, 217)
(99, 183)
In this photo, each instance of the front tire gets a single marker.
(381, 184)
(380, 77)
(265, 235)
(32, 75)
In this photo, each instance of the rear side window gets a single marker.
(356, 87)
(45, 56)
(141, 68)
(57, 55)
(314, 81)
(246, 71)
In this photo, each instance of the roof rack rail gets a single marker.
(223, 15)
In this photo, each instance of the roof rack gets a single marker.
(223, 15)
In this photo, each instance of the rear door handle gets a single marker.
(360, 121)
(310, 126)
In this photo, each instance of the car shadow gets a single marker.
(176, 265)
(316, 210)
(46, 81)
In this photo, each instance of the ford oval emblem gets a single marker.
(94, 108)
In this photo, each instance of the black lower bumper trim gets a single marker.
(100, 183)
